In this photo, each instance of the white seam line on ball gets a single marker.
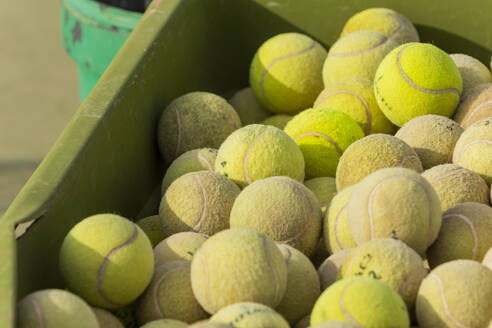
(444, 303)
(476, 109)
(204, 160)
(324, 136)
(246, 156)
(346, 314)
(360, 52)
(272, 268)
(407, 158)
(337, 218)
(473, 230)
(448, 174)
(178, 124)
(205, 203)
(155, 291)
(468, 145)
(39, 313)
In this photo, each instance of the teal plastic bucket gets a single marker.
(93, 33)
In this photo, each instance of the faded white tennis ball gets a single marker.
(472, 71)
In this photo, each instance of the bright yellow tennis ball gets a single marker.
(248, 315)
(433, 138)
(170, 295)
(367, 302)
(324, 188)
(455, 185)
(248, 107)
(53, 308)
(106, 319)
(456, 294)
(356, 55)
(395, 203)
(335, 324)
(180, 246)
(417, 79)
(165, 323)
(386, 21)
(278, 121)
(107, 260)
(472, 71)
(373, 153)
(328, 270)
(487, 259)
(355, 97)
(152, 227)
(323, 135)
(466, 233)
(238, 265)
(474, 149)
(475, 105)
(286, 73)
(390, 261)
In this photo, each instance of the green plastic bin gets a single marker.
(107, 160)
(92, 35)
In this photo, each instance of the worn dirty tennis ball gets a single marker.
(53, 308)
(198, 201)
(278, 121)
(323, 135)
(433, 138)
(152, 227)
(456, 294)
(248, 107)
(248, 315)
(355, 97)
(208, 324)
(180, 246)
(383, 20)
(238, 265)
(487, 259)
(170, 296)
(335, 324)
(466, 233)
(255, 152)
(286, 73)
(356, 55)
(107, 260)
(324, 188)
(191, 161)
(395, 203)
(373, 153)
(165, 323)
(336, 231)
(328, 270)
(472, 71)
(455, 185)
(282, 209)
(195, 120)
(390, 261)
(475, 105)
(303, 285)
(106, 319)
(417, 79)
(474, 149)
(367, 302)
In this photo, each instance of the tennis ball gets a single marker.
(390, 261)
(474, 149)
(107, 260)
(282, 209)
(304, 322)
(165, 323)
(456, 294)
(208, 324)
(417, 79)
(195, 120)
(395, 203)
(286, 73)
(475, 105)
(383, 20)
(328, 271)
(238, 265)
(356, 55)
(169, 295)
(248, 314)
(278, 121)
(323, 135)
(487, 259)
(472, 71)
(53, 308)
(255, 152)
(336, 231)
(180, 246)
(191, 161)
(355, 97)
(466, 233)
(303, 286)
(373, 153)
(367, 302)
(335, 324)
(324, 188)
(198, 201)
(455, 185)
(433, 138)
(106, 319)
(151, 225)
(248, 107)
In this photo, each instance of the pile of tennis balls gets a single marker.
(348, 188)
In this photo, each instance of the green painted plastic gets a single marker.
(107, 160)
(92, 35)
